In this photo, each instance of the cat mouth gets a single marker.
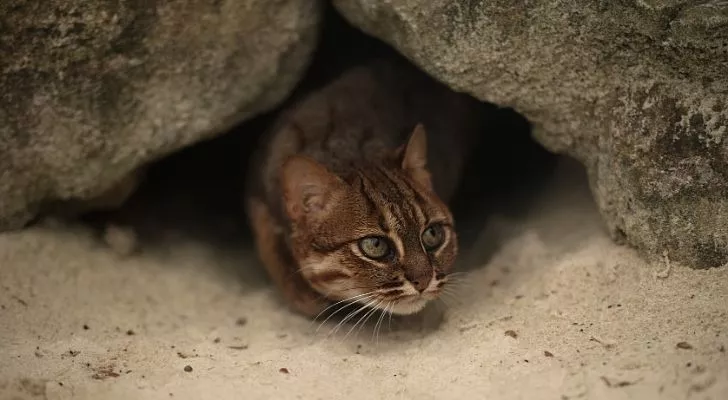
(409, 304)
(400, 301)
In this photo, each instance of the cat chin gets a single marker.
(408, 307)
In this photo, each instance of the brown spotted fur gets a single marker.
(351, 160)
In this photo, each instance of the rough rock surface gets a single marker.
(92, 89)
(637, 91)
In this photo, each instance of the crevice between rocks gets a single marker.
(197, 191)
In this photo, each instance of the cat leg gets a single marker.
(276, 258)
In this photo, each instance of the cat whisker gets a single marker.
(455, 277)
(338, 310)
(364, 318)
(442, 302)
(452, 288)
(349, 299)
(459, 279)
(446, 307)
(389, 324)
(352, 315)
(454, 308)
(457, 273)
(378, 325)
(442, 305)
(346, 302)
(456, 286)
(456, 283)
(346, 318)
(451, 296)
(381, 310)
(453, 291)
(342, 321)
(450, 284)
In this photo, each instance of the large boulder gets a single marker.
(92, 89)
(637, 91)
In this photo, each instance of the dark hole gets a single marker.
(197, 192)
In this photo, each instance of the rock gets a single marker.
(637, 91)
(90, 90)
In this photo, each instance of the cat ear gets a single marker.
(310, 190)
(413, 157)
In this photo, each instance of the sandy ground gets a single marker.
(552, 310)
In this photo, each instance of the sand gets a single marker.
(550, 309)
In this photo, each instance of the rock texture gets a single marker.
(92, 89)
(637, 91)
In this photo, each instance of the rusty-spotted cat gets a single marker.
(347, 194)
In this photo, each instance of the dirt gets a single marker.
(684, 346)
(105, 372)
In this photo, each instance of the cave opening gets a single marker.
(197, 191)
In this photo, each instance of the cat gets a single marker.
(347, 193)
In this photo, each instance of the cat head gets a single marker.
(378, 236)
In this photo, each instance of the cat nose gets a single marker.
(419, 281)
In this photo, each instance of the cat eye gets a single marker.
(375, 247)
(433, 237)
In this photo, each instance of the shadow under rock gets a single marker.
(508, 173)
(194, 197)
(562, 196)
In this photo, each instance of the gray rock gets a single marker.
(92, 89)
(637, 91)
